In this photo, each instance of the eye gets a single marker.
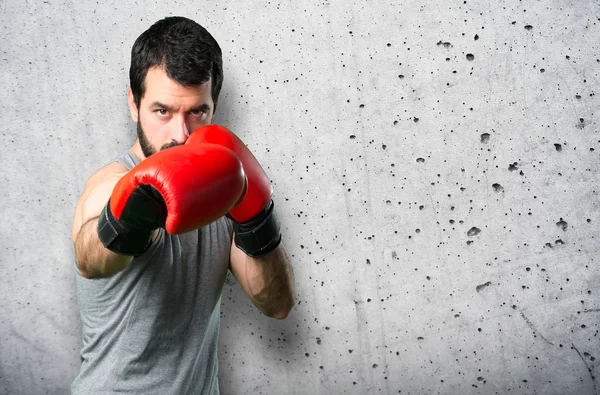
(161, 112)
(198, 112)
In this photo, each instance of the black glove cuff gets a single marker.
(261, 234)
(118, 237)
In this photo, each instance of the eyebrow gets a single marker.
(204, 107)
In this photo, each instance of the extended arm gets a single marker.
(93, 260)
(123, 212)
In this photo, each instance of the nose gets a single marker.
(180, 132)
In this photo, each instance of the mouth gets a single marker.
(170, 145)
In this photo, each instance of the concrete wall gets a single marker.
(435, 167)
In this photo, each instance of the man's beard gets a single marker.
(147, 148)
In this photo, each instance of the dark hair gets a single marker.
(189, 54)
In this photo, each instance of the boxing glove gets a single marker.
(180, 189)
(256, 224)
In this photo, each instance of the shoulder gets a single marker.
(105, 177)
(113, 169)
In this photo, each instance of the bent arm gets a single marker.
(267, 280)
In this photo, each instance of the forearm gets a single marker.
(270, 282)
(93, 259)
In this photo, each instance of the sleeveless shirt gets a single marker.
(153, 328)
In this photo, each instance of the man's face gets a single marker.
(169, 112)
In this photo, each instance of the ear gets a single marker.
(133, 110)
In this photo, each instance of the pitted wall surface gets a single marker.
(435, 168)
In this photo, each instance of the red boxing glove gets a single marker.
(257, 227)
(180, 189)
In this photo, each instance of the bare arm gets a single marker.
(92, 258)
(267, 280)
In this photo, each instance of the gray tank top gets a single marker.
(153, 328)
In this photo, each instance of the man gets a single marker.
(156, 230)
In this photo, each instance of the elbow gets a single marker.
(84, 267)
(91, 272)
(86, 274)
(83, 271)
(81, 265)
(278, 315)
(283, 311)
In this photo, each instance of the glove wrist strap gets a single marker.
(261, 234)
(118, 237)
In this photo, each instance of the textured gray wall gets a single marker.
(435, 167)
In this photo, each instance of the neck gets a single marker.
(137, 150)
